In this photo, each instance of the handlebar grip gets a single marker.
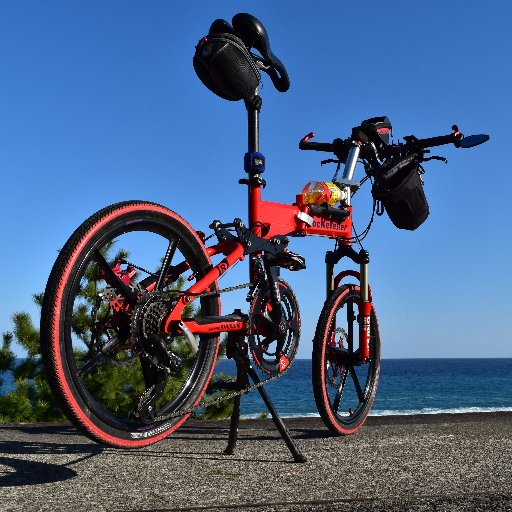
(441, 140)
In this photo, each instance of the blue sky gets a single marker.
(99, 103)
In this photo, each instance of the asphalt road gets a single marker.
(442, 462)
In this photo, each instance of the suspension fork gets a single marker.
(365, 303)
(365, 308)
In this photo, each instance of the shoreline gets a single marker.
(388, 413)
(399, 419)
(402, 419)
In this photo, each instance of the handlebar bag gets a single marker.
(223, 63)
(400, 190)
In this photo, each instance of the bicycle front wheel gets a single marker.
(116, 375)
(343, 387)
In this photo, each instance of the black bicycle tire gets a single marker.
(332, 420)
(54, 332)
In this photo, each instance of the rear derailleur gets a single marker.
(158, 362)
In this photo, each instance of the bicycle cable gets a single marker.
(359, 238)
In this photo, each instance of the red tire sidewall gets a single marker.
(326, 400)
(58, 341)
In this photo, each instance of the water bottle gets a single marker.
(319, 192)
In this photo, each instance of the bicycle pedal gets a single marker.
(288, 260)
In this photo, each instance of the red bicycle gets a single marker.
(134, 297)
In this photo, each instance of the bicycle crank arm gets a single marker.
(213, 324)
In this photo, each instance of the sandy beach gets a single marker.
(428, 462)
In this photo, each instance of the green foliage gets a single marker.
(6, 354)
(26, 333)
(107, 385)
(31, 399)
(16, 405)
(6, 357)
(218, 411)
(116, 382)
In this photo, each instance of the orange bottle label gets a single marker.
(318, 192)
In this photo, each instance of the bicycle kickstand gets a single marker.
(241, 382)
(245, 370)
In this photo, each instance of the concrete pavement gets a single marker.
(441, 462)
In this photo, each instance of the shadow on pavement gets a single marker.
(38, 429)
(16, 468)
(28, 472)
(263, 432)
(15, 471)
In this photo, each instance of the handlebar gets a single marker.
(337, 146)
(314, 146)
(340, 147)
(418, 144)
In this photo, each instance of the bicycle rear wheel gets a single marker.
(344, 389)
(115, 374)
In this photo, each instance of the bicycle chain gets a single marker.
(217, 292)
(198, 295)
(224, 398)
(229, 396)
(204, 294)
(220, 399)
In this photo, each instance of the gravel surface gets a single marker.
(412, 463)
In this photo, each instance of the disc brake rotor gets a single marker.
(111, 318)
(334, 368)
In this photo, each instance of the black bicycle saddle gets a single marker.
(254, 35)
(221, 26)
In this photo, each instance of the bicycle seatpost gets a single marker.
(253, 107)
(254, 165)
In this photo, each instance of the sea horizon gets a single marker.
(407, 386)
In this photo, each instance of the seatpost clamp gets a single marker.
(254, 162)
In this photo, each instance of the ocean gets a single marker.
(407, 386)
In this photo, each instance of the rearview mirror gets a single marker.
(473, 140)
